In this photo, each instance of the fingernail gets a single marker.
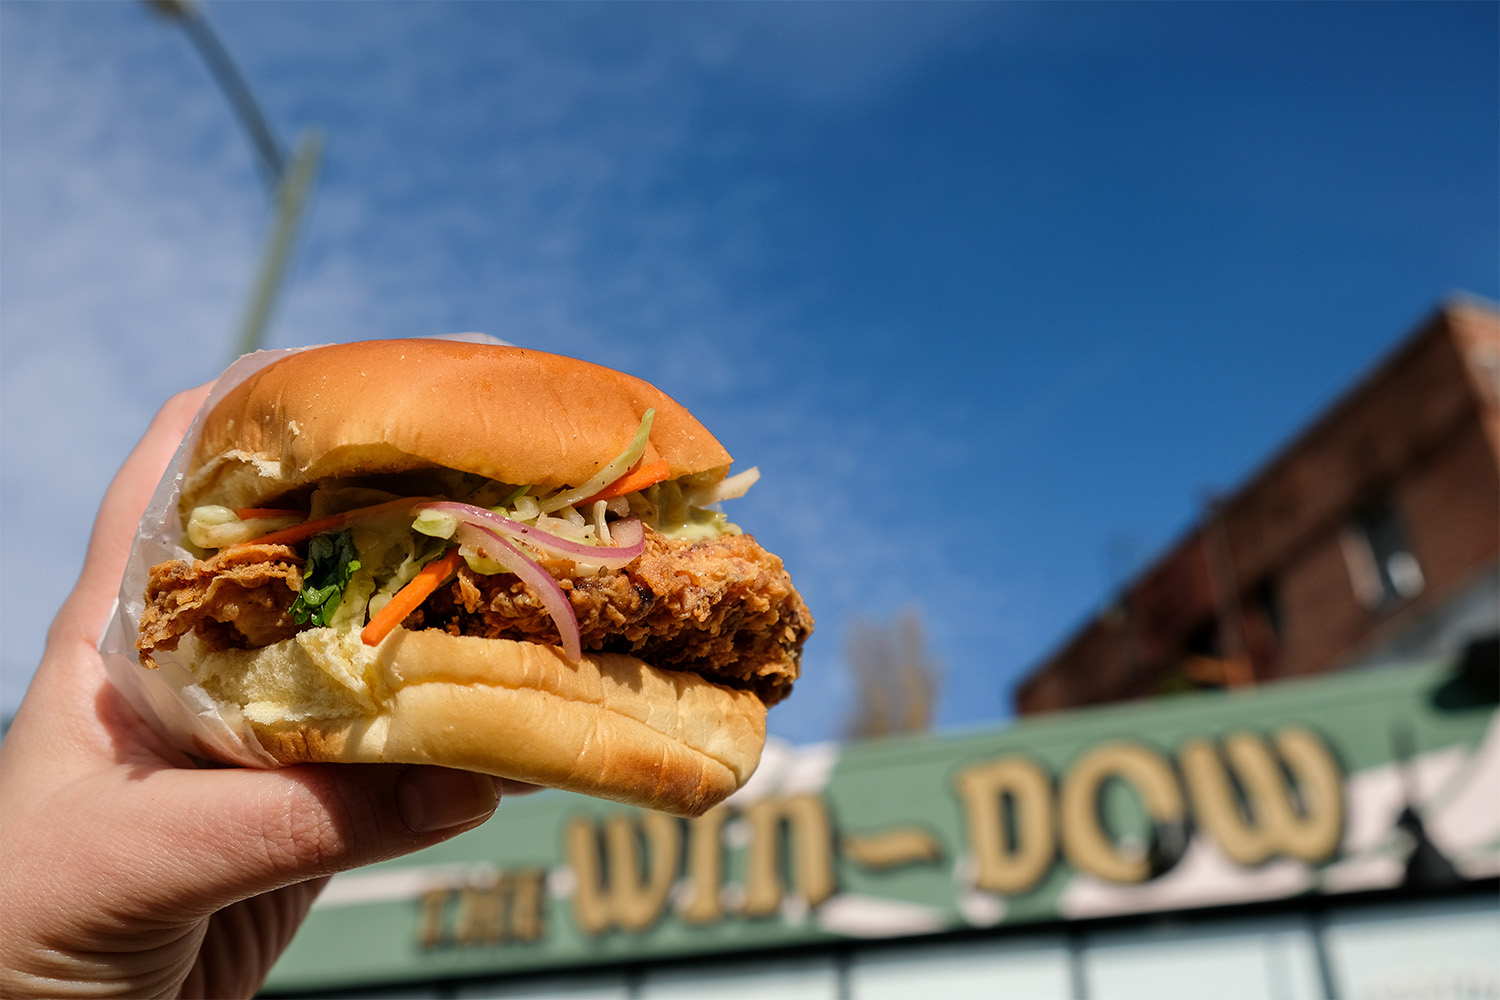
(430, 799)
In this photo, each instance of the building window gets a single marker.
(1381, 564)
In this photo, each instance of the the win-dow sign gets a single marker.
(1206, 800)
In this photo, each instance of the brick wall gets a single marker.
(1423, 431)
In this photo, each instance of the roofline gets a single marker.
(1436, 321)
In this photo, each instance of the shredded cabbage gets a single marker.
(672, 509)
(612, 470)
(389, 550)
(213, 527)
(388, 561)
(435, 523)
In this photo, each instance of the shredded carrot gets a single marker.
(638, 478)
(428, 578)
(299, 532)
(251, 513)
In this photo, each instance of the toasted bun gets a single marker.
(609, 726)
(513, 415)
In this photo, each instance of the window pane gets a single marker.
(1380, 559)
(605, 987)
(1261, 960)
(1446, 949)
(978, 970)
(780, 979)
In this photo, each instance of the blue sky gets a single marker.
(994, 294)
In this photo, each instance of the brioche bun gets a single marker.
(610, 725)
(380, 406)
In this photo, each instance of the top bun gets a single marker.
(514, 415)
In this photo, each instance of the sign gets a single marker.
(1343, 784)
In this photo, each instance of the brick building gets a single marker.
(1373, 536)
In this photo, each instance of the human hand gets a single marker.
(127, 871)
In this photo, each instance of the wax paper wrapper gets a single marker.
(168, 698)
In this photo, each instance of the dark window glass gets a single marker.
(1381, 563)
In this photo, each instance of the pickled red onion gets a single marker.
(628, 536)
(489, 544)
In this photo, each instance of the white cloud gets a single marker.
(125, 232)
(558, 186)
(821, 54)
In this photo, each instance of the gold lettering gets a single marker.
(1019, 789)
(591, 910)
(705, 865)
(1268, 824)
(500, 907)
(903, 845)
(481, 915)
(619, 893)
(639, 902)
(806, 821)
(1087, 845)
(1314, 835)
(431, 909)
(527, 906)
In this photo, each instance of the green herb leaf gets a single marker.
(330, 564)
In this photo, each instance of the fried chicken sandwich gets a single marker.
(484, 557)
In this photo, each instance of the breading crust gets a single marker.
(724, 608)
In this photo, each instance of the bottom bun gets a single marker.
(610, 725)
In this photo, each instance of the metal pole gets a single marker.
(240, 98)
(288, 183)
(290, 196)
(231, 81)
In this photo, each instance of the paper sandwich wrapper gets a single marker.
(168, 698)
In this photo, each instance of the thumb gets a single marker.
(208, 838)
